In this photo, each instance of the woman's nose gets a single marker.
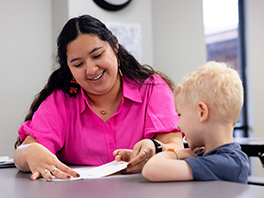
(91, 69)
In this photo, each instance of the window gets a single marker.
(224, 36)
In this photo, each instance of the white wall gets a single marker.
(179, 44)
(59, 14)
(25, 60)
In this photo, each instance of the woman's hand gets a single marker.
(41, 162)
(137, 157)
(145, 149)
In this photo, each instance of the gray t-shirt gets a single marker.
(227, 162)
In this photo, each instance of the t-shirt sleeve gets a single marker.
(161, 116)
(48, 123)
(225, 167)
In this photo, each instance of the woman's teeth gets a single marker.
(98, 77)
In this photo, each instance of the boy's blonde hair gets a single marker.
(216, 84)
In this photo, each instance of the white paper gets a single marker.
(107, 169)
(6, 162)
(97, 172)
(3, 158)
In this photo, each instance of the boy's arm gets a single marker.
(165, 166)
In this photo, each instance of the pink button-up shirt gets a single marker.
(69, 128)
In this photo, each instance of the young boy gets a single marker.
(208, 102)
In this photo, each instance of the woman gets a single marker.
(98, 106)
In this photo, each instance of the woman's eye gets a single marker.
(78, 65)
(179, 114)
(97, 56)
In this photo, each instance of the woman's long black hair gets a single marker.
(60, 78)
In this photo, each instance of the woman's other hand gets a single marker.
(145, 149)
(137, 157)
(32, 156)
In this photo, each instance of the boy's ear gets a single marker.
(203, 111)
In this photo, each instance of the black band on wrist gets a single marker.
(157, 145)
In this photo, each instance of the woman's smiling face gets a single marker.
(93, 63)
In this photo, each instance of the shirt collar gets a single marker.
(130, 91)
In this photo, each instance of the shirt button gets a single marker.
(111, 146)
(109, 121)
